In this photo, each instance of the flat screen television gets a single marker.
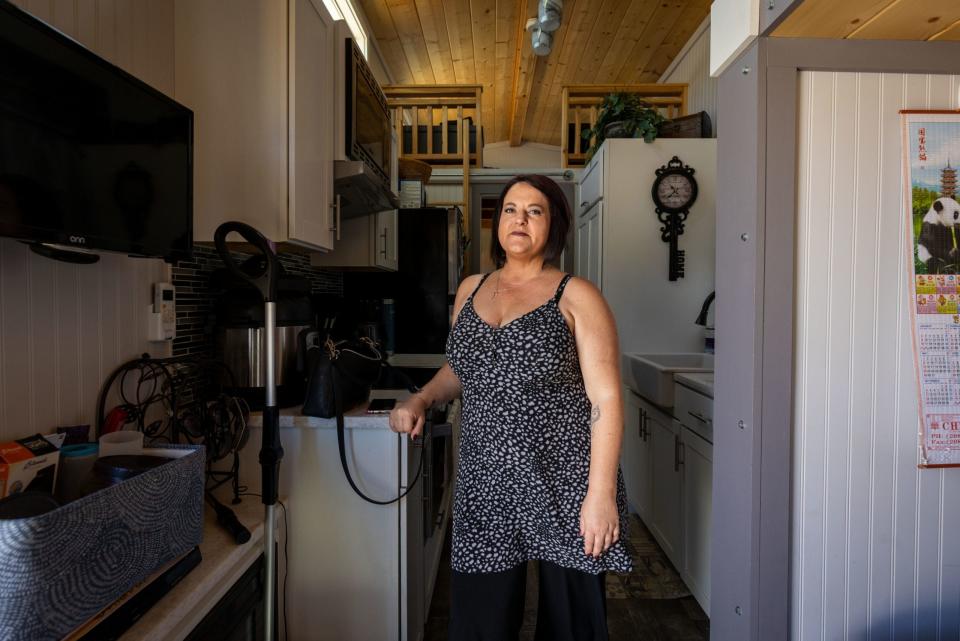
(90, 156)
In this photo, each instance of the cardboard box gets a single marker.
(28, 465)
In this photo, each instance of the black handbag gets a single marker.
(341, 375)
(358, 364)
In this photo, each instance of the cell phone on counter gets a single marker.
(381, 405)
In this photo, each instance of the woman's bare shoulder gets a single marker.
(582, 295)
(468, 284)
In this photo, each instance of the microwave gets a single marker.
(365, 179)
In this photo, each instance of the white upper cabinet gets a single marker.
(312, 55)
(366, 242)
(259, 76)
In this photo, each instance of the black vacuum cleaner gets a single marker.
(271, 452)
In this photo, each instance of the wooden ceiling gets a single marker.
(484, 41)
(874, 20)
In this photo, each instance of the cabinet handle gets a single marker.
(335, 205)
(640, 425)
(384, 237)
(584, 204)
(698, 416)
(676, 453)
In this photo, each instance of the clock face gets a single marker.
(675, 191)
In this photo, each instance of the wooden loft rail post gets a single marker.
(581, 106)
(431, 105)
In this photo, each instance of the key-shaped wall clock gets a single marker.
(674, 192)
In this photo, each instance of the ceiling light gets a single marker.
(548, 14)
(540, 39)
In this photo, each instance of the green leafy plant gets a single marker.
(623, 115)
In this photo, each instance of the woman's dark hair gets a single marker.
(559, 217)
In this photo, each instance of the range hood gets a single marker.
(362, 191)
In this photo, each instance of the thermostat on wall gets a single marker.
(163, 320)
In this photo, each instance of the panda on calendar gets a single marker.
(937, 244)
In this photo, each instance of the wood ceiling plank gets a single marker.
(654, 34)
(406, 22)
(635, 21)
(525, 65)
(682, 31)
(909, 20)
(433, 24)
(537, 89)
(387, 39)
(511, 14)
(483, 18)
(610, 15)
(950, 33)
(829, 19)
(460, 36)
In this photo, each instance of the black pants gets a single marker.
(572, 605)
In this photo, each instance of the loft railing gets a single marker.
(581, 104)
(438, 123)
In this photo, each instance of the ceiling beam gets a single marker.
(524, 66)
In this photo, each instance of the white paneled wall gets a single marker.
(874, 550)
(63, 328)
(692, 66)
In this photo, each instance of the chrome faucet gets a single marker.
(702, 318)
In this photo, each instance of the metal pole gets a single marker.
(270, 454)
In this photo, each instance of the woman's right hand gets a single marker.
(409, 416)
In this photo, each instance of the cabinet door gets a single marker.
(589, 244)
(630, 451)
(697, 501)
(595, 268)
(231, 69)
(385, 241)
(666, 522)
(581, 245)
(311, 113)
(635, 457)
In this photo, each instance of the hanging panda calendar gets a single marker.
(931, 149)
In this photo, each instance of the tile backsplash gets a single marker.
(195, 297)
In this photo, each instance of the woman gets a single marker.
(533, 352)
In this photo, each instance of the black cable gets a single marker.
(188, 393)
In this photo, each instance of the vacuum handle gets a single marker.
(266, 282)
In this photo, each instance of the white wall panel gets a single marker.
(873, 551)
(692, 66)
(63, 328)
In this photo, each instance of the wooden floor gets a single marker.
(650, 604)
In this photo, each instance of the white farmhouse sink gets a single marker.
(651, 375)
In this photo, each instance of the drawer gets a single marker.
(591, 182)
(694, 410)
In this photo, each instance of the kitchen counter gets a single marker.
(698, 382)
(355, 419)
(181, 609)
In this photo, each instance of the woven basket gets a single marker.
(415, 170)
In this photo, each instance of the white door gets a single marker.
(311, 56)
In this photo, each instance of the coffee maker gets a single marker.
(240, 334)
